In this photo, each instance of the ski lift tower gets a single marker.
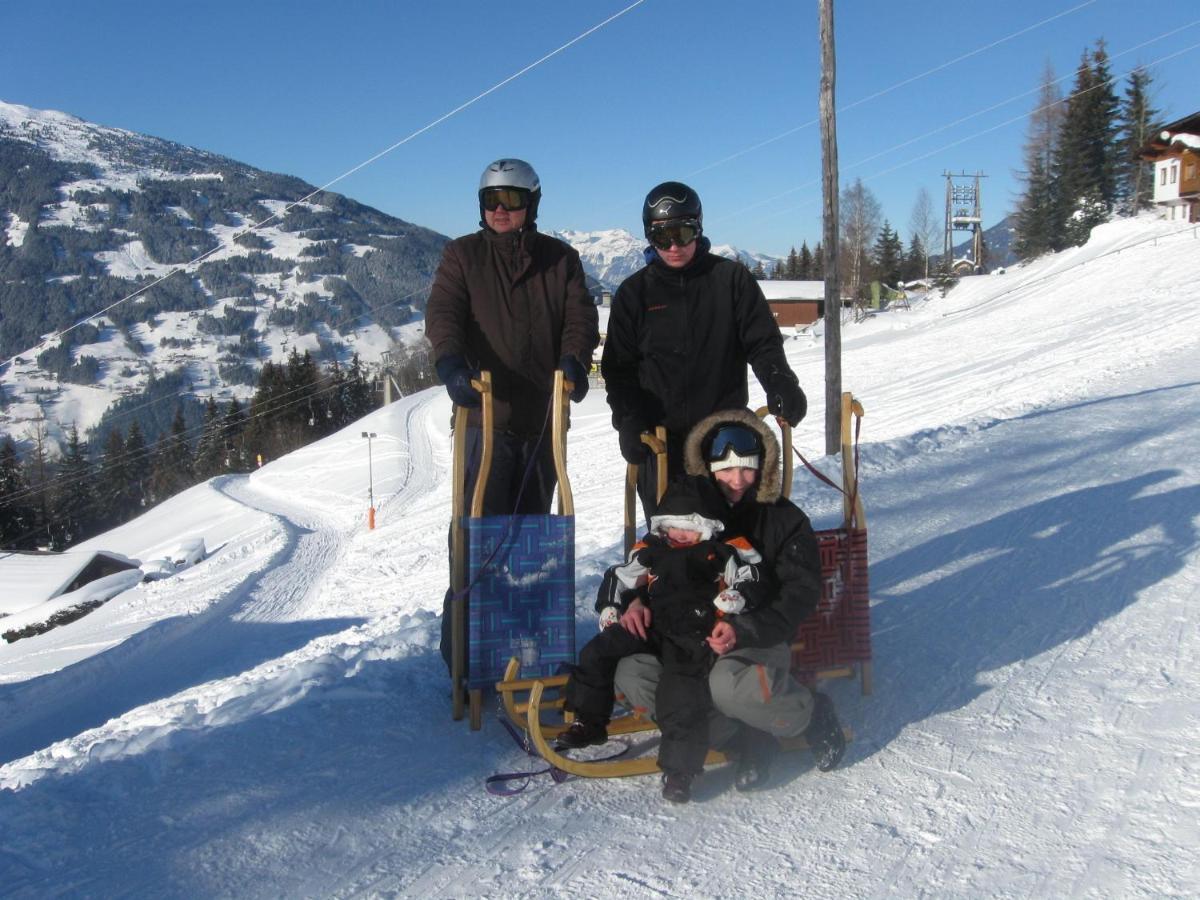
(964, 212)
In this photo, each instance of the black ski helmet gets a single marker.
(670, 201)
(514, 173)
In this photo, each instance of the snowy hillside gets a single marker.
(275, 720)
(613, 255)
(90, 215)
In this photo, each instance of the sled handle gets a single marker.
(487, 415)
(852, 506)
(458, 534)
(657, 443)
(559, 418)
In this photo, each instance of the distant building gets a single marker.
(795, 302)
(1175, 152)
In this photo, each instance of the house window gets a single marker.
(1190, 171)
(1162, 175)
(1174, 172)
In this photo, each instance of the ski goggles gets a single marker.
(510, 198)
(663, 234)
(736, 439)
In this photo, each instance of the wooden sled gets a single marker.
(528, 717)
(517, 570)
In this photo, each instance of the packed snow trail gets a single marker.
(252, 615)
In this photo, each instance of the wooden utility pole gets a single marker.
(833, 288)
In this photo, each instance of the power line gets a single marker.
(181, 267)
(970, 137)
(893, 87)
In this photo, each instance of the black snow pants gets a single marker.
(682, 700)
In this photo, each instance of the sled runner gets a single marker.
(833, 642)
(512, 576)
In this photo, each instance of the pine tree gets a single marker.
(113, 494)
(793, 265)
(358, 399)
(759, 272)
(1084, 173)
(818, 264)
(915, 261)
(37, 476)
(210, 450)
(1138, 123)
(233, 428)
(806, 263)
(1037, 221)
(173, 466)
(138, 469)
(72, 500)
(17, 520)
(889, 255)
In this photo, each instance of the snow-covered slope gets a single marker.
(275, 721)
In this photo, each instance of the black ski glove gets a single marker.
(574, 372)
(785, 399)
(632, 447)
(456, 376)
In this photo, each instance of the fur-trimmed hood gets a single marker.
(770, 480)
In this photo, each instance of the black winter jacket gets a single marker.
(679, 341)
(789, 586)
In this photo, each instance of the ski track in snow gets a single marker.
(1033, 508)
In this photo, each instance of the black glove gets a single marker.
(632, 447)
(785, 399)
(456, 376)
(574, 372)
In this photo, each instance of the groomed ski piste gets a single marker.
(275, 721)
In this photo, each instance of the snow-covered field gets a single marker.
(275, 721)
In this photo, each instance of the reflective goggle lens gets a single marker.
(511, 199)
(737, 438)
(680, 234)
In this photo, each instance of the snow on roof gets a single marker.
(793, 290)
(33, 578)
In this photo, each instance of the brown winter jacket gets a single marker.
(513, 304)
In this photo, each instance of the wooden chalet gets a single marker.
(1175, 152)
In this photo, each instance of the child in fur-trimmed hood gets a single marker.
(687, 578)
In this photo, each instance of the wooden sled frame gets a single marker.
(461, 696)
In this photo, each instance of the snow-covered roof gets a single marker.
(33, 578)
(793, 290)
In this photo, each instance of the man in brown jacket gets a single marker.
(514, 302)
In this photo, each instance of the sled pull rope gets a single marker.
(853, 514)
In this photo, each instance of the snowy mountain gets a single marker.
(613, 255)
(90, 215)
(275, 720)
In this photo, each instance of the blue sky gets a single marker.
(721, 95)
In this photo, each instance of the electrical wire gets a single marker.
(278, 214)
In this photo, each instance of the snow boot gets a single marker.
(582, 734)
(752, 770)
(677, 787)
(824, 734)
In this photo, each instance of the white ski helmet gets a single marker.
(513, 173)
